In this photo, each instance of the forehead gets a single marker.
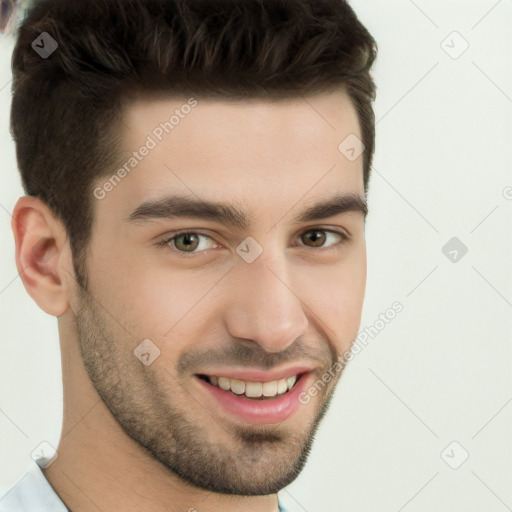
(300, 119)
(257, 151)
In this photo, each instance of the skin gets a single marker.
(129, 430)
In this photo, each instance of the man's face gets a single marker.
(212, 304)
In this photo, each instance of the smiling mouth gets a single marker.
(251, 389)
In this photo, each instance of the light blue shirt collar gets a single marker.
(33, 493)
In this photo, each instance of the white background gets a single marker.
(440, 371)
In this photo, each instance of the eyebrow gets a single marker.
(229, 214)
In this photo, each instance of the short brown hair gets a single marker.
(66, 108)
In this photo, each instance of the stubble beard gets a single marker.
(257, 460)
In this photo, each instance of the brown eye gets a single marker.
(323, 238)
(316, 237)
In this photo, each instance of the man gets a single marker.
(196, 175)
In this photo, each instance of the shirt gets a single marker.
(33, 493)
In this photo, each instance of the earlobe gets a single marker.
(41, 247)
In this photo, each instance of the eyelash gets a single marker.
(165, 243)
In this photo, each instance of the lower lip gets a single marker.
(274, 410)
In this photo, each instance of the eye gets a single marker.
(189, 243)
(318, 237)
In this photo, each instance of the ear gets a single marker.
(43, 255)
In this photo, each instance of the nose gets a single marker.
(263, 306)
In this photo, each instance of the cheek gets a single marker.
(338, 301)
(160, 302)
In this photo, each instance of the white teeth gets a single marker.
(224, 383)
(270, 388)
(238, 386)
(282, 386)
(254, 389)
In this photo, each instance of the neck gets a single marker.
(100, 467)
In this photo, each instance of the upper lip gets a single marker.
(258, 375)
